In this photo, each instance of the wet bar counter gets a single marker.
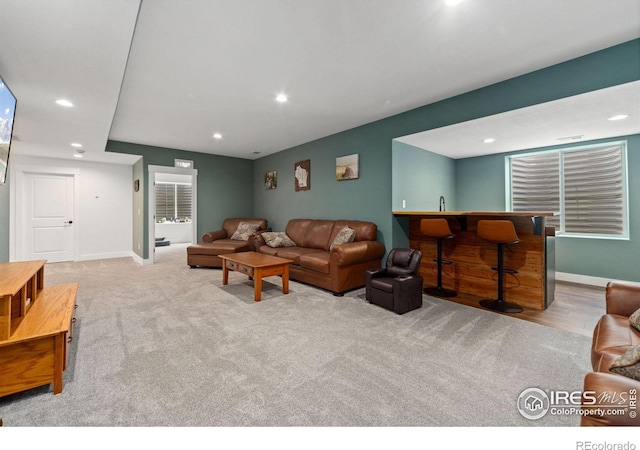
(533, 257)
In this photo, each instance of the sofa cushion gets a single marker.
(273, 251)
(277, 239)
(634, 320)
(612, 334)
(318, 261)
(294, 253)
(219, 247)
(245, 229)
(628, 364)
(344, 236)
(318, 234)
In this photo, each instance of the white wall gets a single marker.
(176, 233)
(104, 205)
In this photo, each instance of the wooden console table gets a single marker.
(20, 283)
(37, 327)
(533, 256)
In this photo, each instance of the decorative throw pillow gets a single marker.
(278, 239)
(634, 320)
(628, 364)
(245, 229)
(344, 236)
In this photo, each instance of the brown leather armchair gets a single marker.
(613, 335)
(397, 287)
(219, 242)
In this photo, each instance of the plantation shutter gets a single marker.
(183, 200)
(593, 191)
(535, 184)
(165, 201)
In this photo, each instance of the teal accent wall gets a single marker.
(138, 210)
(225, 185)
(481, 181)
(365, 198)
(420, 178)
(4, 219)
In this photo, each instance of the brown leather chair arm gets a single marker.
(618, 389)
(256, 241)
(622, 298)
(214, 235)
(356, 252)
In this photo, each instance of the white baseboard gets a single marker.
(125, 254)
(140, 260)
(584, 279)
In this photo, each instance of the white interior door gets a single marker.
(48, 222)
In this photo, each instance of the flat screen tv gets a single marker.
(7, 114)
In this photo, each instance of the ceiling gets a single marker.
(172, 73)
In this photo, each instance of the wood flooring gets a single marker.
(576, 308)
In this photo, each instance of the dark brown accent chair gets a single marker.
(397, 287)
(219, 242)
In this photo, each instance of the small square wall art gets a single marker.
(347, 167)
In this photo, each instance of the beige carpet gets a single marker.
(166, 345)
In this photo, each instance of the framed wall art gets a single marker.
(302, 174)
(347, 167)
(271, 180)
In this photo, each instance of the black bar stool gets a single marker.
(439, 230)
(500, 232)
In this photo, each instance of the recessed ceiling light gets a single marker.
(76, 145)
(281, 98)
(77, 155)
(619, 117)
(217, 136)
(489, 140)
(64, 102)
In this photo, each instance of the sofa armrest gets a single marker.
(600, 386)
(211, 236)
(622, 298)
(256, 240)
(357, 252)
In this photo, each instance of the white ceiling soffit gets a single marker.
(569, 120)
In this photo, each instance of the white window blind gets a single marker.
(173, 201)
(585, 187)
(535, 184)
(593, 194)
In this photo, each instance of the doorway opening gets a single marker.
(172, 208)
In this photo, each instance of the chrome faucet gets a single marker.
(442, 208)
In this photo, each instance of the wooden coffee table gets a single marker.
(257, 266)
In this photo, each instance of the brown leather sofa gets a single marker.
(612, 337)
(338, 269)
(219, 242)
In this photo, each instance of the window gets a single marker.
(586, 187)
(173, 202)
